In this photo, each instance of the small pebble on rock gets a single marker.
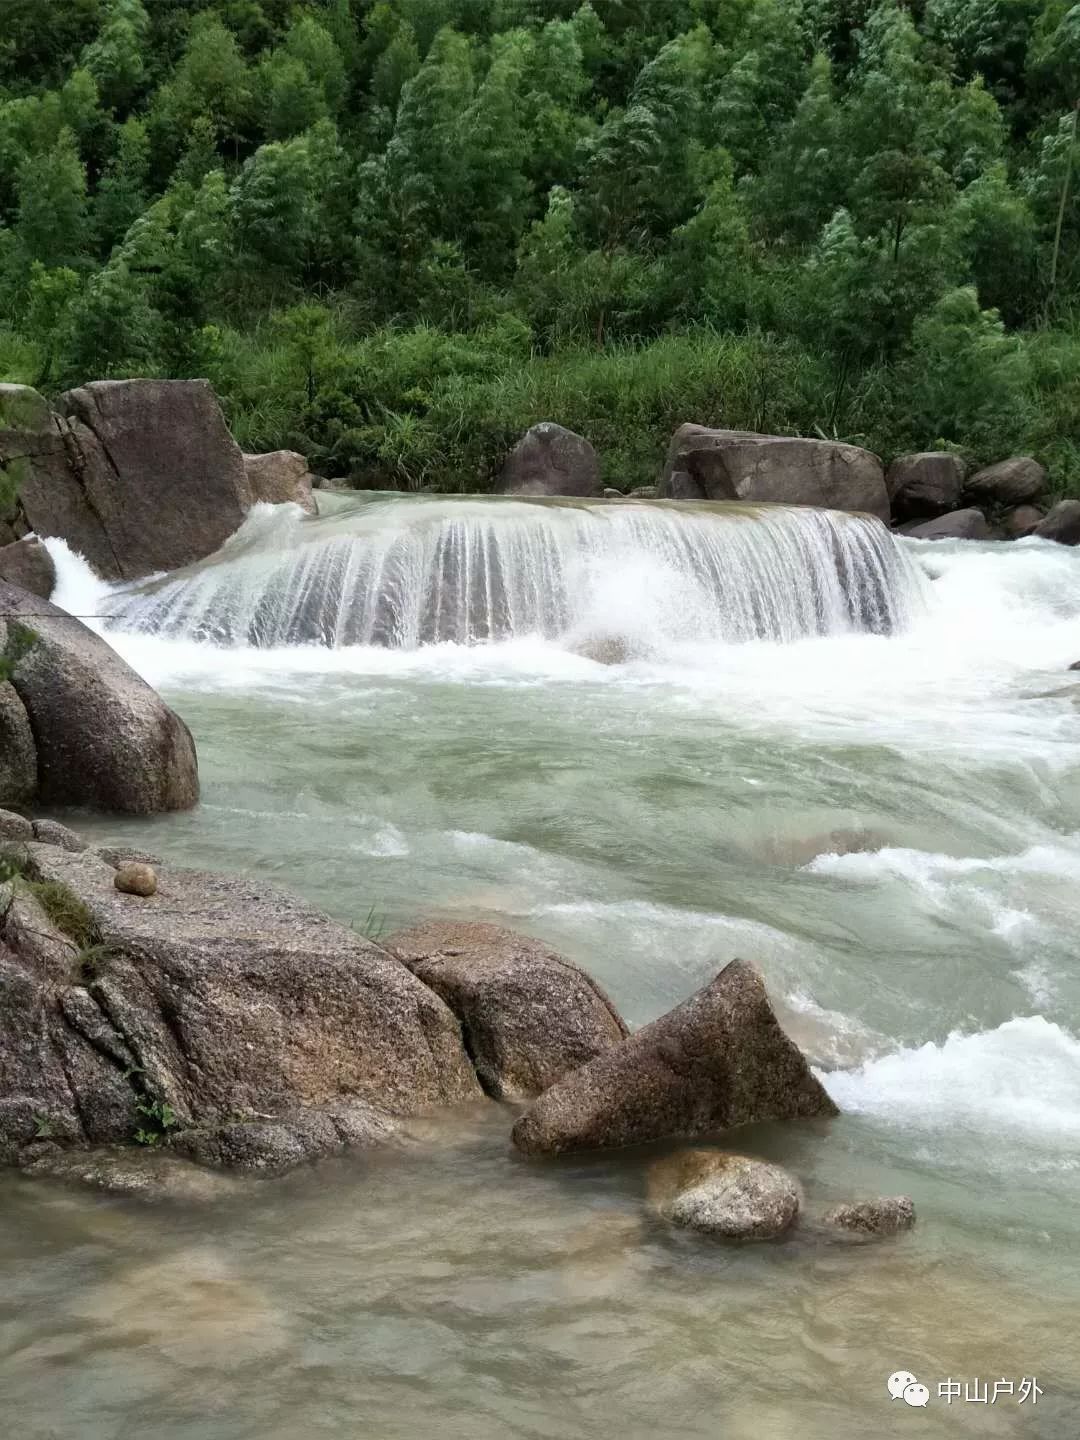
(133, 878)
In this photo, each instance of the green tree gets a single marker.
(52, 215)
(115, 57)
(123, 191)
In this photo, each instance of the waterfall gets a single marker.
(416, 571)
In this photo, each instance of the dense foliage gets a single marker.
(394, 233)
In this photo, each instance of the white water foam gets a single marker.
(1023, 1077)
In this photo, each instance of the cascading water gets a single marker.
(406, 573)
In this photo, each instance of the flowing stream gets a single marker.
(658, 737)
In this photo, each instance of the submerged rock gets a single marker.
(1009, 482)
(270, 1146)
(709, 464)
(924, 484)
(103, 738)
(217, 1001)
(885, 1215)
(29, 565)
(957, 525)
(1061, 523)
(140, 1172)
(551, 460)
(718, 1060)
(528, 1015)
(732, 1196)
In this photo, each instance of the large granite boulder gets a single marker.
(957, 525)
(280, 477)
(528, 1015)
(1061, 523)
(1009, 482)
(103, 738)
(1021, 521)
(551, 460)
(925, 484)
(18, 756)
(220, 1014)
(718, 1060)
(33, 450)
(734, 1197)
(704, 464)
(29, 565)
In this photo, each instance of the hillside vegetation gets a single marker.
(395, 234)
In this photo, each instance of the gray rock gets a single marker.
(706, 464)
(645, 492)
(295, 1138)
(51, 832)
(15, 827)
(104, 739)
(550, 460)
(280, 477)
(1021, 521)
(528, 1015)
(1062, 523)
(29, 565)
(885, 1215)
(117, 855)
(136, 1172)
(924, 484)
(34, 459)
(731, 1196)
(957, 525)
(18, 754)
(1009, 482)
(228, 1001)
(718, 1060)
(611, 494)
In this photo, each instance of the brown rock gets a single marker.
(1009, 482)
(706, 464)
(280, 477)
(104, 739)
(1061, 523)
(133, 878)
(957, 525)
(1021, 521)
(550, 460)
(732, 1196)
(924, 484)
(886, 1215)
(29, 565)
(18, 755)
(228, 1001)
(137, 1172)
(528, 1015)
(718, 1060)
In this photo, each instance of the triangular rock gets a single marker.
(718, 1060)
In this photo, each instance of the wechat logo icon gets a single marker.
(902, 1385)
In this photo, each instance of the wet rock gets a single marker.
(1061, 523)
(18, 754)
(51, 832)
(135, 878)
(297, 1138)
(117, 855)
(104, 739)
(551, 460)
(718, 1060)
(1021, 521)
(1075, 665)
(957, 525)
(611, 494)
(15, 827)
(528, 1015)
(731, 1196)
(706, 464)
(924, 484)
(29, 565)
(1009, 482)
(280, 477)
(226, 1001)
(645, 492)
(604, 649)
(800, 850)
(137, 1172)
(885, 1215)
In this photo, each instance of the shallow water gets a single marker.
(888, 826)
